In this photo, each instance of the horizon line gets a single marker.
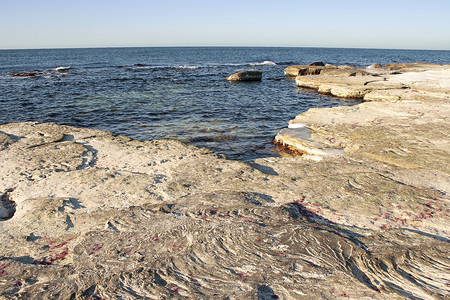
(217, 46)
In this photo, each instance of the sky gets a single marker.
(391, 24)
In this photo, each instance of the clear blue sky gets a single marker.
(411, 24)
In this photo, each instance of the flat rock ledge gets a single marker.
(415, 81)
(87, 214)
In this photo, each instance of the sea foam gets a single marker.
(264, 63)
(61, 69)
(188, 67)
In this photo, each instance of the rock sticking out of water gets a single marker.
(50, 72)
(246, 76)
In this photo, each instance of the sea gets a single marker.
(177, 92)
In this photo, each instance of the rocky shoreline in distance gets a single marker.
(363, 213)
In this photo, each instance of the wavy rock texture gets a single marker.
(86, 214)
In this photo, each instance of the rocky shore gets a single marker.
(362, 214)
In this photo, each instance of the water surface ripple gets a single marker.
(176, 93)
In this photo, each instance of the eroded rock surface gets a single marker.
(90, 214)
(392, 154)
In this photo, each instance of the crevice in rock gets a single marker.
(360, 275)
(89, 157)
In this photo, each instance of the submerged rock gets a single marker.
(246, 76)
(25, 74)
(58, 71)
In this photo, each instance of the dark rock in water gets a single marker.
(317, 64)
(25, 74)
(246, 76)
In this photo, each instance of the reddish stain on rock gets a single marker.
(2, 270)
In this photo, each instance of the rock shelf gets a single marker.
(423, 82)
(87, 214)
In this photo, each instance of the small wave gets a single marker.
(158, 67)
(62, 69)
(143, 66)
(188, 67)
(264, 63)
(193, 67)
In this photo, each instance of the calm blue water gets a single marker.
(177, 93)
